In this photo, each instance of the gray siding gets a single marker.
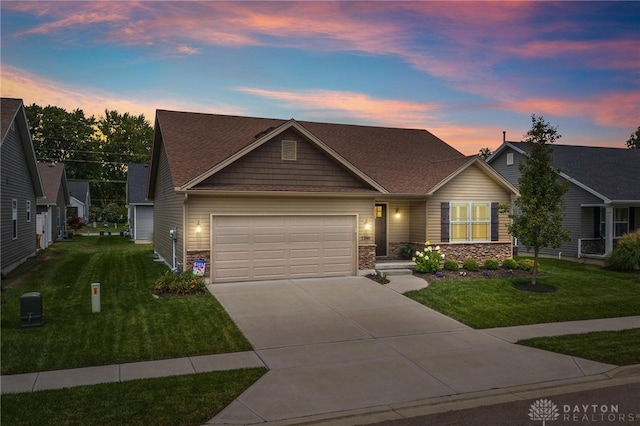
(265, 166)
(16, 184)
(509, 172)
(167, 213)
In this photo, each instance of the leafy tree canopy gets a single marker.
(634, 140)
(540, 207)
(484, 153)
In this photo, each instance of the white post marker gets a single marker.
(95, 297)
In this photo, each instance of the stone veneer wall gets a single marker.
(479, 252)
(366, 256)
(459, 252)
(197, 255)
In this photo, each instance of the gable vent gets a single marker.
(289, 150)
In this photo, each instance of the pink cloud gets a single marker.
(18, 83)
(391, 112)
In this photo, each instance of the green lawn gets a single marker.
(132, 325)
(583, 292)
(179, 400)
(611, 347)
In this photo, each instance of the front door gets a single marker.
(381, 229)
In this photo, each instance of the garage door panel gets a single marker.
(271, 247)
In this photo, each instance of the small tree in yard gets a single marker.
(538, 221)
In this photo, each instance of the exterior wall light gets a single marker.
(367, 225)
(397, 215)
(198, 227)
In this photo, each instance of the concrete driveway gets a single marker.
(346, 344)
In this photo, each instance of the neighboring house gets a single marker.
(140, 207)
(20, 188)
(53, 207)
(79, 199)
(264, 198)
(602, 202)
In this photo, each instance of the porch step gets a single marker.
(395, 267)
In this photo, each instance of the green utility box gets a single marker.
(31, 309)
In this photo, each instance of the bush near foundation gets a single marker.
(491, 264)
(626, 256)
(471, 265)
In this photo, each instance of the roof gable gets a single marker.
(54, 179)
(78, 189)
(12, 110)
(266, 168)
(137, 182)
(475, 161)
(391, 160)
(612, 174)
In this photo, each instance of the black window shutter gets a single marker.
(495, 222)
(596, 222)
(444, 222)
(632, 219)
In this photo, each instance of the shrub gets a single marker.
(626, 256)
(428, 260)
(510, 264)
(492, 264)
(183, 284)
(451, 265)
(471, 265)
(525, 264)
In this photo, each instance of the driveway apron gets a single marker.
(348, 343)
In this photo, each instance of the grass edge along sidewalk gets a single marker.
(178, 400)
(582, 292)
(132, 325)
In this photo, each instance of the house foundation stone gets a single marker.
(366, 256)
(479, 252)
(198, 255)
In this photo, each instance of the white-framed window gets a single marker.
(28, 210)
(469, 222)
(509, 158)
(620, 221)
(14, 219)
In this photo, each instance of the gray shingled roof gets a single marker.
(8, 109)
(137, 181)
(78, 189)
(611, 172)
(403, 161)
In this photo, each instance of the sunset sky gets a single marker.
(465, 71)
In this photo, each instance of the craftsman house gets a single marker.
(20, 187)
(603, 199)
(52, 209)
(261, 198)
(79, 199)
(139, 206)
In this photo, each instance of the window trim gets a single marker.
(509, 158)
(603, 221)
(14, 218)
(289, 150)
(470, 222)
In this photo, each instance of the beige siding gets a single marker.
(418, 227)
(399, 229)
(201, 207)
(167, 213)
(471, 184)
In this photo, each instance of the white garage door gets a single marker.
(248, 248)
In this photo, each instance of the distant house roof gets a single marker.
(610, 173)
(53, 175)
(13, 109)
(137, 181)
(78, 189)
(392, 160)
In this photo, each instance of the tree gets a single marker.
(484, 153)
(65, 137)
(634, 140)
(124, 138)
(540, 207)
